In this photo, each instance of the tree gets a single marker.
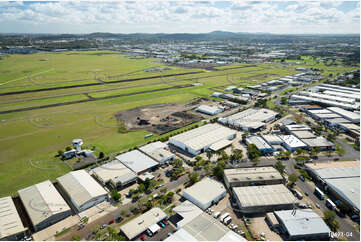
(292, 178)
(209, 155)
(115, 195)
(331, 137)
(76, 237)
(193, 177)
(101, 155)
(123, 212)
(284, 100)
(330, 219)
(60, 153)
(68, 148)
(164, 190)
(95, 229)
(253, 152)
(178, 163)
(340, 150)
(280, 167)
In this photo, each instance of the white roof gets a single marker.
(333, 89)
(258, 142)
(42, 201)
(203, 136)
(297, 127)
(357, 90)
(81, 187)
(344, 113)
(303, 134)
(181, 235)
(153, 146)
(329, 97)
(292, 141)
(348, 188)
(318, 142)
(232, 236)
(114, 171)
(253, 196)
(302, 222)
(326, 102)
(271, 138)
(209, 109)
(252, 174)
(251, 115)
(136, 161)
(342, 94)
(220, 144)
(139, 224)
(10, 221)
(205, 190)
(188, 211)
(154, 228)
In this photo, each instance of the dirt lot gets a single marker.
(162, 118)
(259, 226)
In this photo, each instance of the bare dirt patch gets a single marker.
(161, 118)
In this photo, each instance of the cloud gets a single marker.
(177, 16)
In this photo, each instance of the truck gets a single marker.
(224, 216)
(319, 193)
(330, 204)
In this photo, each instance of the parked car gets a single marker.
(161, 224)
(103, 226)
(118, 219)
(317, 205)
(165, 222)
(111, 222)
(142, 237)
(149, 233)
(216, 214)
(302, 178)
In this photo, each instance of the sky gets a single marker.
(280, 17)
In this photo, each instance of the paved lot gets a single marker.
(259, 225)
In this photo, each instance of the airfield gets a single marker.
(48, 99)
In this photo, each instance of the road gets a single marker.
(345, 225)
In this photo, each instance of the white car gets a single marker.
(216, 214)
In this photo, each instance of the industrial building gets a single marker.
(158, 151)
(198, 140)
(11, 226)
(351, 116)
(292, 143)
(296, 127)
(260, 199)
(205, 193)
(251, 119)
(341, 179)
(44, 205)
(241, 177)
(355, 96)
(114, 173)
(203, 227)
(306, 99)
(302, 224)
(260, 143)
(137, 161)
(328, 97)
(82, 190)
(210, 110)
(319, 142)
(137, 226)
(303, 134)
(272, 139)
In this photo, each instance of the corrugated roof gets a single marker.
(10, 221)
(302, 222)
(42, 201)
(293, 141)
(114, 171)
(136, 161)
(81, 187)
(344, 113)
(253, 196)
(252, 174)
(220, 144)
(153, 146)
(318, 142)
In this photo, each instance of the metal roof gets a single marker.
(181, 235)
(10, 221)
(271, 138)
(303, 134)
(220, 144)
(253, 196)
(342, 94)
(357, 90)
(258, 142)
(153, 146)
(205, 190)
(297, 127)
(329, 97)
(293, 141)
(344, 113)
(302, 222)
(139, 224)
(114, 171)
(209, 109)
(203, 136)
(81, 187)
(42, 201)
(317, 142)
(188, 211)
(251, 115)
(252, 174)
(348, 188)
(325, 102)
(136, 161)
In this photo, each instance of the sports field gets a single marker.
(30, 139)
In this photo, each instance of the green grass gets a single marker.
(62, 232)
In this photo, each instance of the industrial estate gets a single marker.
(217, 137)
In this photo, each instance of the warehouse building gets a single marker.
(261, 144)
(44, 205)
(355, 96)
(291, 143)
(210, 110)
(82, 190)
(200, 139)
(336, 122)
(302, 224)
(336, 87)
(325, 116)
(255, 176)
(205, 193)
(114, 173)
(11, 226)
(303, 134)
(341, 179)
(137, 226)
(251, 119)
(351, 116)
(328, 97)
(298, 99)
(272, 139)
(261, 199)
(296, 127)
(158, 151)
(319, 142)
(204, 228)
(137, 161)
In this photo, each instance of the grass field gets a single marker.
(29, 140)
